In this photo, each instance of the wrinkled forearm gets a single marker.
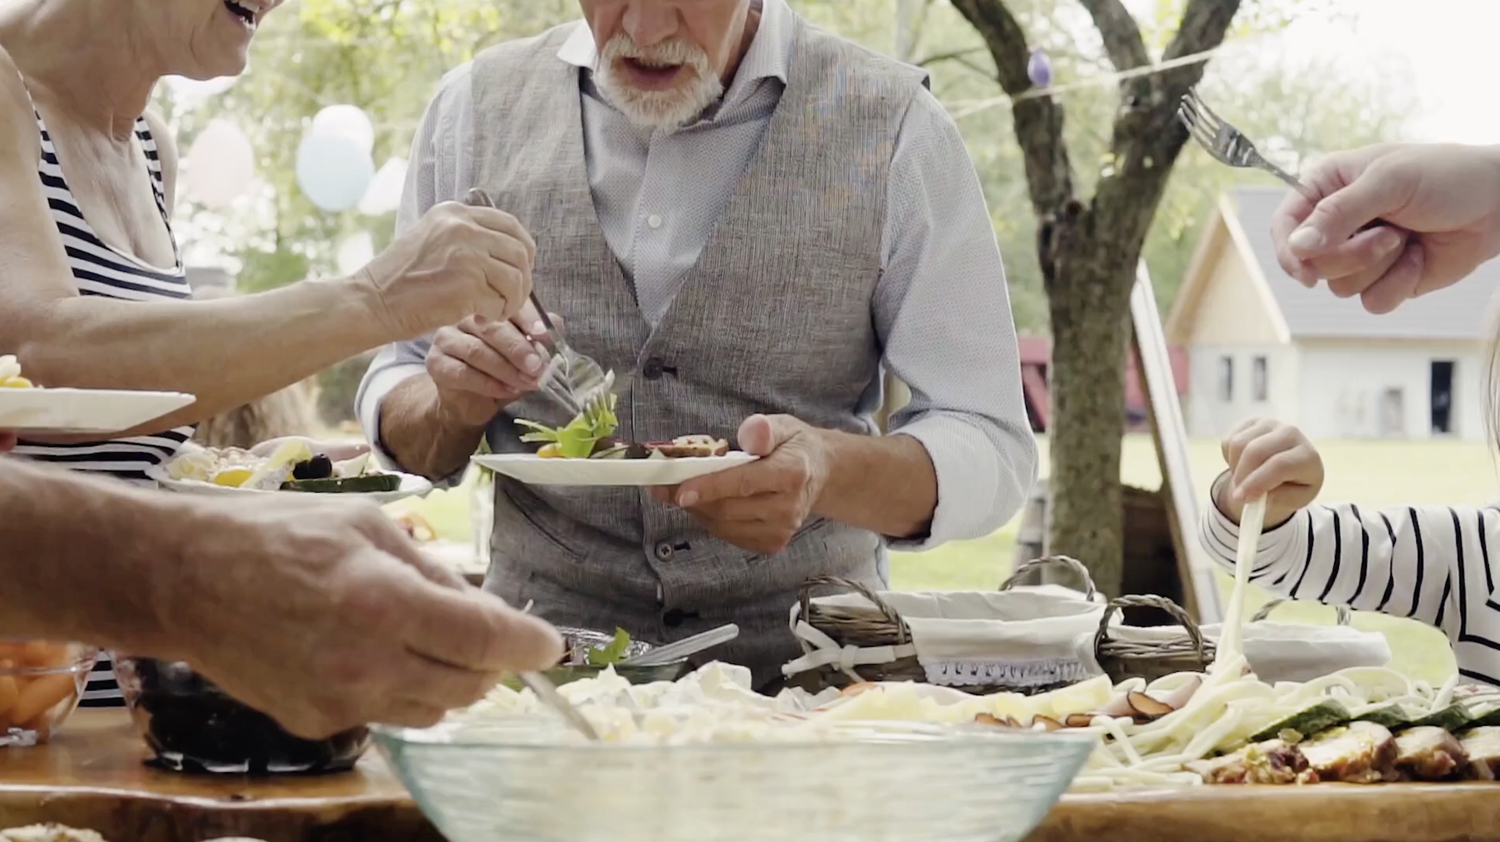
(83, 559)
(420, 436)
(226, 352)
(887, 485)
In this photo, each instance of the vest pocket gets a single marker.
(530, 512)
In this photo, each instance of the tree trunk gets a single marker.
(1087, 385)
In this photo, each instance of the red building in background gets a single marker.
(1036, 358)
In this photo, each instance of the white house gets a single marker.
(1261, 344)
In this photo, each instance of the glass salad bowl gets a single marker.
(522, 779)
(40, 685)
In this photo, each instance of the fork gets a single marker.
(1228, 145)
(570, 378)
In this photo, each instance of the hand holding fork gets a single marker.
(1353, 262)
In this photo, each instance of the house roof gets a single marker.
(1462, 311)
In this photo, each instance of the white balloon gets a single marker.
(355, 252)
(220, 165)
(333, 171)
(346, 121)
(384, 195)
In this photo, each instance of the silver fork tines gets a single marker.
(1228, 144)
(570, 378)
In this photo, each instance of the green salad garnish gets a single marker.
(578, 438)
(613, 653)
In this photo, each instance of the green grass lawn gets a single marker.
(1367, 472)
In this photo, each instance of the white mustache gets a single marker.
(674, 51)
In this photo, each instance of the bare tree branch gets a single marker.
(1147, 137)
(1122, 37)
(949, 56)
(1038, 120)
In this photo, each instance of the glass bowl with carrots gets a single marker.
(41, 682)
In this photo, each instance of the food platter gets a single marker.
(537, 470)
(411, 486)
(292, 468)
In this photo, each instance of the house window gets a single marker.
(1226, 379)
(1258, 387)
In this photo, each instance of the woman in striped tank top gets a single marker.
(92, 283)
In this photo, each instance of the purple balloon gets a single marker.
(1039, 69)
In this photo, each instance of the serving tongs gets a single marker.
(572, 379)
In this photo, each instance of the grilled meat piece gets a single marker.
(1483, 748)
(1270, 762)
(1359, 753)
(1426, 753)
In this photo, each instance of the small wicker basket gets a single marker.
(881, 625)
(1122, 659)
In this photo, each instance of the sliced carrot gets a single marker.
(41, 694)
(11, 650)
(9, 693)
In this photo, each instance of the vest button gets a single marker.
(664, 551)
(653, 369)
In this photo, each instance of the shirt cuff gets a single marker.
(373, 392)
(1223, 534)
(971, 498)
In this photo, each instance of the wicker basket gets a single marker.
(1123, 659)
(881, 625)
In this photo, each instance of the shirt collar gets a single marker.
(769, 56)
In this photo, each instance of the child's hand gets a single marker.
(1271, 458)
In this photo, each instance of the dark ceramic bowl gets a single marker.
(193, 726)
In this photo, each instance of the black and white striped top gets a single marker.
(1427, 563)
(99, 269)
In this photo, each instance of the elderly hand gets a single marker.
(1271, 458)
(324, 615)
(481, 364)
(762, 505)
(1444, 201)
(456, 262)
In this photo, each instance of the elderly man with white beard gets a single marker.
(749, 220)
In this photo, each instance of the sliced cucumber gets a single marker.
(350, 485)
(1314, 720)
(1454, 717)
(1393, 717)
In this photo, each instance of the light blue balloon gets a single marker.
(333, 171)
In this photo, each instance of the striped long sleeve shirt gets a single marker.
(1427, 563)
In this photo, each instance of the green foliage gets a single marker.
(387, 56)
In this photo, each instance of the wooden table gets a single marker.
(92, 776)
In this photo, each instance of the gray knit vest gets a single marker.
(775, 318)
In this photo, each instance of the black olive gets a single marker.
(636, 450)
(605, 444)
(318, 467)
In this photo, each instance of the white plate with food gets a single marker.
(533, 469)
(293, 468)
(27, 408)
(586, 452)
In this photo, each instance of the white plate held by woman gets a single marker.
(83, 411)
(535, 470)
(411, 486)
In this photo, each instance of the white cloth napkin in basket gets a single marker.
(1276, 651)
(1023, 637)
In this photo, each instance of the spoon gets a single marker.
(547, 692)
(683, 648)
